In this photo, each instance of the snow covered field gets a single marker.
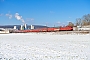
(35, 46)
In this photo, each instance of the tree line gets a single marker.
(85, 20)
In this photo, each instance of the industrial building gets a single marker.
(9, 28)
(21, 27)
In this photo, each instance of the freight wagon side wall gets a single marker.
(66, 28)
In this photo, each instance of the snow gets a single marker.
(44, 46)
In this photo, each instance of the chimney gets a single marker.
(25, 26)
(21, 27)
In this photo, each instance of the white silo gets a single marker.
(25, 25)
(32, 27)
(14, 27)
(21, 27)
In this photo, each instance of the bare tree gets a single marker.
(70, 24)
(78, 22)
(86, 19)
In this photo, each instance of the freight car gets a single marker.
(48, 29)
(67, 28)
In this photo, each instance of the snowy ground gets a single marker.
(35, 46)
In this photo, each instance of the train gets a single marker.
(46, 29)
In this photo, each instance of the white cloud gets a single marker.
(9, 15)
(18, 17)
(23, 20)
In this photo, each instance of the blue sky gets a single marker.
(42, 12)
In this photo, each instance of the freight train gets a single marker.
(47, 29)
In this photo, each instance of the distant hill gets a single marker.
(18, 26)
